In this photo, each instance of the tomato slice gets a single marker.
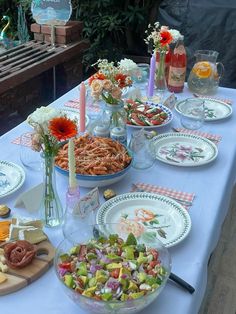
(137, 120)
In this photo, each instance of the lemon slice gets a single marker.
(202, 69)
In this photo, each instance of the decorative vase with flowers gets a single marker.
(108, 84)
(160, 38)
(51, 128)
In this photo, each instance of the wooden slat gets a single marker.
(21, 72)
(21, 53)
(10, 63)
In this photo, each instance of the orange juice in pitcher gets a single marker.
(205, 75)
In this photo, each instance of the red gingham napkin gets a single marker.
(184, 198)
(212, 137)
(27, 141)
(226, 100)
(89, 106)
(72, 103)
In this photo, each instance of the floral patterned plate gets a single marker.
(148, 215)
(181, 149)
(214, 109)
(12, 177)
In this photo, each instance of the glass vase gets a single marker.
(160, 75)
(114, 116)
(51, 211)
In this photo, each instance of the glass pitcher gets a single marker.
(205, 75)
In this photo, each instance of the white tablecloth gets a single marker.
(212, 184)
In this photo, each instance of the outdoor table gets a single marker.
(212, 184)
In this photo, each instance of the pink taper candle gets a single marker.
(82, 107)
(152, 75)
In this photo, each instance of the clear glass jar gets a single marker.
(114, 116)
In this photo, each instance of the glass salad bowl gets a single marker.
(109, 268)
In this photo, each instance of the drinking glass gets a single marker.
(29, 158)
(192, 116)
(142, 151)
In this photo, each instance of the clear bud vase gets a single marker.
(74, 218)
(51, 211)
(160, 77)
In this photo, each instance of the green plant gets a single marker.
(114, 27)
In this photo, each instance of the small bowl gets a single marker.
(86, 233)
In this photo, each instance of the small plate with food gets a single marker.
(146, 114)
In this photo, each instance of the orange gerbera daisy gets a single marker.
(166, 38)
(62, 128)
(121, 79)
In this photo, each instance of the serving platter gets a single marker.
(182, 149)
(214, 109)
(20, 278)
(142, 212)
(135, 122)
(12, 178)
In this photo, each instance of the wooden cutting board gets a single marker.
(19, 278)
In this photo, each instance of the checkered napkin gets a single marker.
(226, 100)
(212, 137)
(89, 106)
(27, 141)
(184, 198)
(73, 103)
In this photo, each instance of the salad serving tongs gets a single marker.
(182, 283)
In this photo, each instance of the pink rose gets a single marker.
(116, 92)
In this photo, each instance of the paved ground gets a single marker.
(220, 297)
(13, 120)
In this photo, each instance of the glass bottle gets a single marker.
(74, 218)
(177, 69)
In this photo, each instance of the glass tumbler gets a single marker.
(141, 149)
(192, 115)
(29, 158)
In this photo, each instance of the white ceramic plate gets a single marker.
(167, 121)
(74, 114)
(214, 109)
(181, 149)
(12, 177)
(160, 215)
